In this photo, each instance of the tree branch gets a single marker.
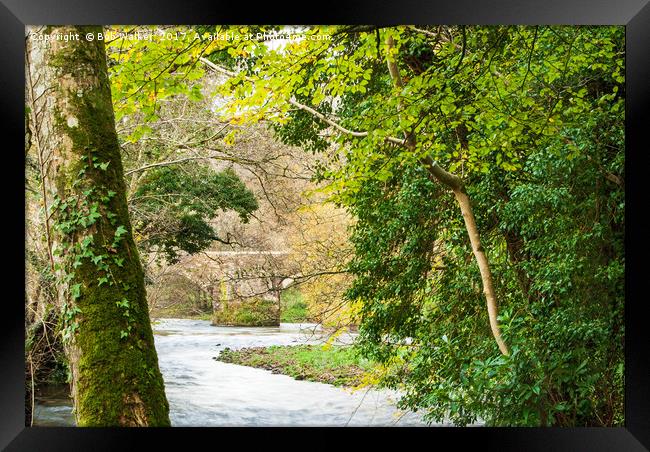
(306, 108)
(168, 163)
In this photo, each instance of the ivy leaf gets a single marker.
(86, 241)
(75, 291)
(120, 231)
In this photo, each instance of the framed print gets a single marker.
(425, 215)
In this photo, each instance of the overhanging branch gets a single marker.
(306, 108)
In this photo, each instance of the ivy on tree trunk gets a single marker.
(115, 377)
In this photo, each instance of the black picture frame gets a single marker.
(634, 14)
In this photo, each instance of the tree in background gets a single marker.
(321, 251)
(178, 172)
(107, 333)
(175, 204)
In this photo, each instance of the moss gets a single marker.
(117, 381)
(112, 368)
(254, 312)
(336, 365)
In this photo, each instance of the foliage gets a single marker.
(530, 118)
(149, 65)
(319, 244)
(145, 72)
(175, 204)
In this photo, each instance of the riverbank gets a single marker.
(336, 365)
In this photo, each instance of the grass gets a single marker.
(294, 308)
(336, 365)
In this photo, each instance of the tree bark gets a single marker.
(116, 380)
(483, 265)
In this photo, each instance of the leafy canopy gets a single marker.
(174, 206)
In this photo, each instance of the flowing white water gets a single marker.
(204, 392)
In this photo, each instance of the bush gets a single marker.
(253, 312)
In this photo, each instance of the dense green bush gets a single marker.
(561, 295)
(249, 312)
(173, 207)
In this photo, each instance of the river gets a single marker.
(203, 392)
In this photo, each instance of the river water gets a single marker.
(203, 392)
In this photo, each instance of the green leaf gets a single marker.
(75, 291)
(120, 231)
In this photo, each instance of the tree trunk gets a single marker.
(456, 185)
(107, 333)
(483, 265)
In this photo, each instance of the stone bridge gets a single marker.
(235, 277)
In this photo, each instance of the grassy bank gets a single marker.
(336, 365)
(294, 308)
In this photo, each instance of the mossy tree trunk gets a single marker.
(107, 333)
